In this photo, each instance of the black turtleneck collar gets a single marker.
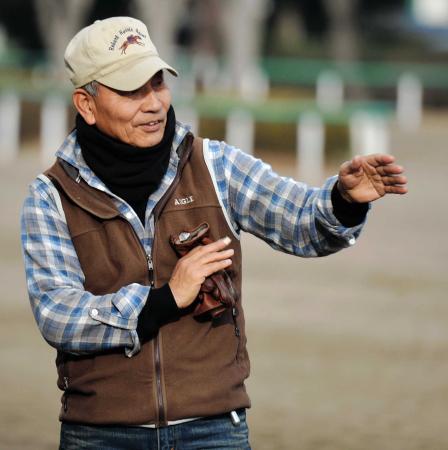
(130, 172)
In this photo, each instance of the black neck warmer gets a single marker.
(130, 172)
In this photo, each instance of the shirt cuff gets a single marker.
(127, 304)
(160, 308)
(349, 214)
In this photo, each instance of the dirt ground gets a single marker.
(349, 352)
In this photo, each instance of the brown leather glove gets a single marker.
(217, 293)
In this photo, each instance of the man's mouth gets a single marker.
(153, 125)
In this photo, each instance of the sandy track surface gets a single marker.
(349, 352)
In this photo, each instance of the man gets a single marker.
(115, 281)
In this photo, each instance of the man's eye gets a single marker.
(157, 80)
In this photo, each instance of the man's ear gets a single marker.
(85, 105)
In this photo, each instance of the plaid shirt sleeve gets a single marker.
(70, 318)
(289, 215)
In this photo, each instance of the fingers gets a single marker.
(392, 169)
(192, 269)
(352, 167)
(205, 254)
(356, 164)
(216, 246)
(217, 256)
(377, 163)
(214, 267)
(379, 159)
(396, 189)
(394, 180)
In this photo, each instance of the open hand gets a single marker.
(368, 178)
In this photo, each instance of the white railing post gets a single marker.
(240, 130)
(409, 102)
(53, 127)
(368, 134)
(254, 85)
(9, 127)
(329, 91)
(310, 148)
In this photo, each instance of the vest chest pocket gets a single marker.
(110, 255)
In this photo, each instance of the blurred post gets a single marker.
(206, 17)
(240, 130)
(329, 91)
(431, 13)
(368, 134)
(58, 22)
(9, 127)
(254, 85)
(53, 127)
(161, 18)
(310, 148)
(409, 102)
(343, 42)
(243, 21)
(183, 88)
(343, 38)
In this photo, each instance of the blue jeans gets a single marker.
(217, 432)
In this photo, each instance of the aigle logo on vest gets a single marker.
(183, 201)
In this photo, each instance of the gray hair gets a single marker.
(91, 88)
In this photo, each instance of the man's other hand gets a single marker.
(368, 178)
(192, 269)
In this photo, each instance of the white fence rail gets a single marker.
(368, 133)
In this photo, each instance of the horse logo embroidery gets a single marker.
(132, 39)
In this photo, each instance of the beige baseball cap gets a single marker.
(116, 52)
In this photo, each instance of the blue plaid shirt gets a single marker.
(289, 215)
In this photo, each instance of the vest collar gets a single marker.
(95, 201)
(91, 200)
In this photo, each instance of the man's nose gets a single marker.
(151, 101)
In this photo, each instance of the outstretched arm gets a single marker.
(290, 216)
(368, 178)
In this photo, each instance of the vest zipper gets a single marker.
(158, 369)
(188, 141)
(65, 394)
(157, 366)
(150, 269)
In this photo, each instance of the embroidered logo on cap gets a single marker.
(132, 39)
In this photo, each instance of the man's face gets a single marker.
(138, 117)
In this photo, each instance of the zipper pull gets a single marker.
(149, 259)
(150, 269)
(65, 383)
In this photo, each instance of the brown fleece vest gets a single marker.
(191, 368)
